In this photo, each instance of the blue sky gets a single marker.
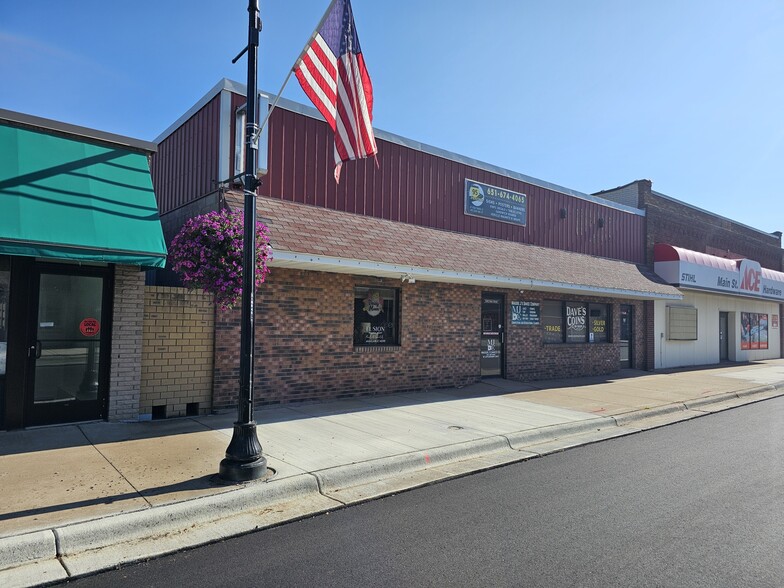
(588, 95)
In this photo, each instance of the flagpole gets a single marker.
(244, 460)
(294, 67)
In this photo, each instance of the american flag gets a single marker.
(333, 74)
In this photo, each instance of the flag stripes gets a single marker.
(333, 74)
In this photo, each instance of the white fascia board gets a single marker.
(307, 261)
(225, 139)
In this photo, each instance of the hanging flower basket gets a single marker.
(207, 254)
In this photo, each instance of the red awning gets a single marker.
(666, 252)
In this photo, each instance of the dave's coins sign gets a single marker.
(90, 327)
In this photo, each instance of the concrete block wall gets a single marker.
(177, 357)
(126, 357)
(305, 349)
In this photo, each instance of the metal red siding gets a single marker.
(185, 167)
(407, 185)
(415, 187)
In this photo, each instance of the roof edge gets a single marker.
(37, 123)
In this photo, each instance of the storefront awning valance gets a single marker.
(700, 271)
(67, 198)
(318, 239)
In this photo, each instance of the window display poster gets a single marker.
(525, 313)
(763, 331)
(745, 331)
(753, 330)
(774, 321)
(576, 322)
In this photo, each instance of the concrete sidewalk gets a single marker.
(81, 498)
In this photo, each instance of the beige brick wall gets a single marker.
(126, 344)
(177, 354)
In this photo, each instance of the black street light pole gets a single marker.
(244, 460)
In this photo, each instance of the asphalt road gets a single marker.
(699, 503)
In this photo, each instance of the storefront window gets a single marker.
(552, 321)
(575, 322)
(376, 316)
(598, 323)
(754, 330)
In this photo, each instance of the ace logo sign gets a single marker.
(750, 275)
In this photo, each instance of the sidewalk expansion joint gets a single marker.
(114, 467)
(59, 555)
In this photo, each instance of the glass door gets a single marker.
(491, 361)
(67, 355)
(627, 335)
(724, 347)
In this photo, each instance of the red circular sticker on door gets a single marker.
(89, 327)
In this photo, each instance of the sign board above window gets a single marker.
(525, 313)
(494, 203)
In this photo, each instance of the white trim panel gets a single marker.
(309, 262)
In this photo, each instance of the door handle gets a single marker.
(35, 350)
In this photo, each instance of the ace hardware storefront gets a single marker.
(731, 309)
(78, 222)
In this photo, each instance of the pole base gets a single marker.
(233, 471)
(244, 461)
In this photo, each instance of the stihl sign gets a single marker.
(742, 278)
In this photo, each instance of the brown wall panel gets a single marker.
(185, 167)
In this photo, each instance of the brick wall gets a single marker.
(305, 350)
(176, 362)
(126, 357)
(669, 221)
(528, 358)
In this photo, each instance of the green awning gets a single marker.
(66, 198)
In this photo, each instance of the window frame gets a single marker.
(395, 320)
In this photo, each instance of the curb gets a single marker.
(82, 548)
(22, 549)
(524, 439)
(628, 418)
(332, 480)
(171, 518)
(695, 404)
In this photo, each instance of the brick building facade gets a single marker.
(393, 279)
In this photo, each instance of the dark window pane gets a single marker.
(598, 323)
(376, 316)
(576, 322)
(552, 322)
